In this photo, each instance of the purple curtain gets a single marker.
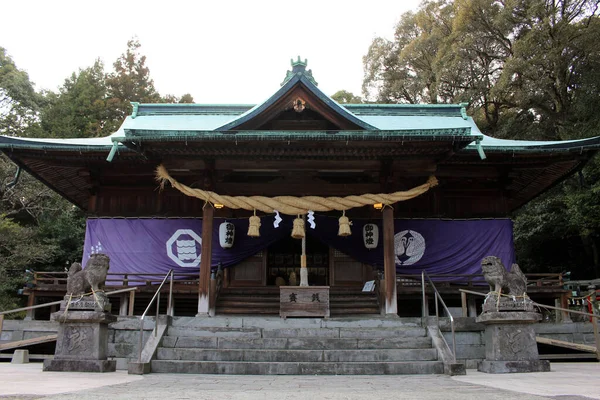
(436, 246)
(137, 246)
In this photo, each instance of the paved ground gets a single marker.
(565, 382)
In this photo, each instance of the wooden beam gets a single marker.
(389, 263)
(28, 342)
(567, 345)
(205, 261)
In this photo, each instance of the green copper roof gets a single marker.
(219, 122)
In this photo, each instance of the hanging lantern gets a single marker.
(344, 225)
(226, 235)
(298, 230)
(371, 236)
(254, 226)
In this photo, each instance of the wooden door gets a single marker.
(346, 271)
(249, 273)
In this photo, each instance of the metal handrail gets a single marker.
(169, 310)
(437, 316)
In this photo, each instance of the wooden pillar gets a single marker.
(389, 262)
(565, 316)
(124, 304)
(30, 302)
(463, 302)
(472, 306)
(212, 305)
(205, 260)
(131, 302)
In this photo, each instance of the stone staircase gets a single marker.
(271, 346)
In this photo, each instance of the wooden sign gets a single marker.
(303, 301)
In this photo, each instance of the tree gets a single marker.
(404, 70)
(19, 102)
(556, 46)
(345, 97)
(80, 107)
(130, 82)
(529, 69)
(186, 98)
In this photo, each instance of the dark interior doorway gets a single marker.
(284, 258)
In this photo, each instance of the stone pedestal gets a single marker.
(510, 344)
(82, 340)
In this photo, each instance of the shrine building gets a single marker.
(380, 192)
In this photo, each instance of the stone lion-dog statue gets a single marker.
(496, 275)
(80, 281)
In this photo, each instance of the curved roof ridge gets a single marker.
(297, 79)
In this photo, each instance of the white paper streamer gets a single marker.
(277, 219)
(311, 219)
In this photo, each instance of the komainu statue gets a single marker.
(513, 282)
(93, 277)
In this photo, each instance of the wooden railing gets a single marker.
(441, 280)
(43, 283)
(118, 279)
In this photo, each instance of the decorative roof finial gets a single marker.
(299, 62)
(299, 68)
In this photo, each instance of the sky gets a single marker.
(220, 51)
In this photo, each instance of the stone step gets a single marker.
(297, 368)
(385, 355)
(377, 333)
(296, 343)
(292, 332)
(249, 321)
(203, 331)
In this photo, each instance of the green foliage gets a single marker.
(19, 103)
(560, 231)
(38, 231)
(80, 108)
(345, 97)
(185, 99)
(92, 103)
(130, 82)
(19, 249)
(529, 69)
(404, 70)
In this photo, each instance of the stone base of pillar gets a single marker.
(510, 344)
(80, 365)
(82, 340)
(506, 367)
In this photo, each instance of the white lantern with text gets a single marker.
(226, 235)
(371, 236)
